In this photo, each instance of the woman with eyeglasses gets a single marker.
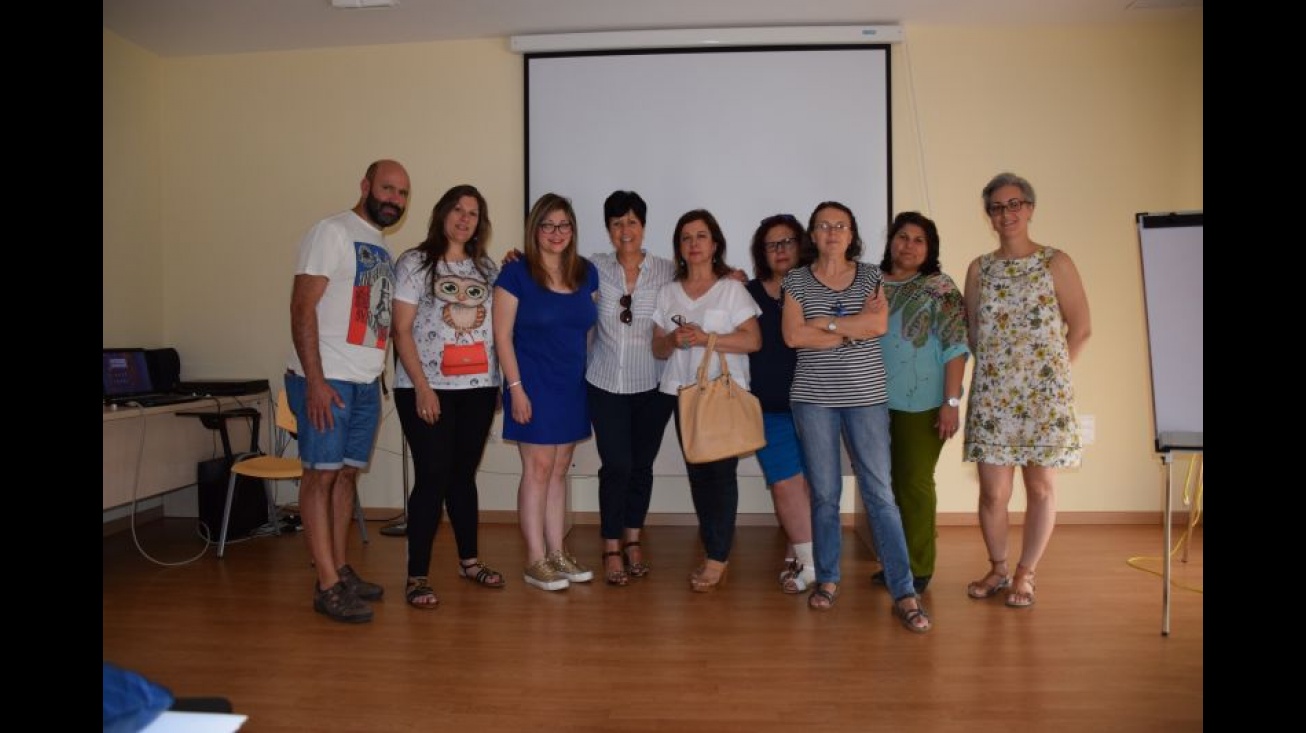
(1027, 317)
(705, 299)
(779, 245)
(543, 311)
(628, 414)
(925, 356)
(834, 314)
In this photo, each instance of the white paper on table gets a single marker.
(172, 721)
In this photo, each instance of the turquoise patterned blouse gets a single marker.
(927, 329)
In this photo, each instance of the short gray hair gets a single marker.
(1008, 179)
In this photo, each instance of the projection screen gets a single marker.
(744, 133)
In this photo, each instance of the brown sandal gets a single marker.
(709, 576)
(983, 588)
(1019, 597)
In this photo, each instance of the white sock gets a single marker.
(803, 551)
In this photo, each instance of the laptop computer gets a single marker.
(127, 380)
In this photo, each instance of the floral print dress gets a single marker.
(1021, 409)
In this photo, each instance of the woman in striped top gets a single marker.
(834, 314)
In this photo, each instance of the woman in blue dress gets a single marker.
(543, 311)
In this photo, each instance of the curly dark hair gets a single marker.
(931, 263)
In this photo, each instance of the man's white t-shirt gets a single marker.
(353, 316)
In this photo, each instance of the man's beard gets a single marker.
(382, 213)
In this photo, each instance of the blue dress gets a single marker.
(550, 338)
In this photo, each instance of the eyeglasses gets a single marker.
(833, 226)
(549, 227)
(776, 246)
(1013, 206)
(626, 316)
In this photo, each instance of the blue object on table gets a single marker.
(131, 702)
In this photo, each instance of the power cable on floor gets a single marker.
(1192, 497)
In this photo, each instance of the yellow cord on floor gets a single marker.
(1193, 500)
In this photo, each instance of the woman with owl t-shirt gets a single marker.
(442, 334)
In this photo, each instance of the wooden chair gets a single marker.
(256, 464)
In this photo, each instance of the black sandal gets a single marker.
(418, 589)
(822, 599)
(477, 572)
(908, 616)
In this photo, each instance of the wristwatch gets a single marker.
(954, 402)
(830, 326)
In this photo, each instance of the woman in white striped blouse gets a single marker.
(834, 314)
(628, 416)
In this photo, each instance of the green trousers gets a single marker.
(915, 449)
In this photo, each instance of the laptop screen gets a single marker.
(126, 373)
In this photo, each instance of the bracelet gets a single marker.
(511, 385)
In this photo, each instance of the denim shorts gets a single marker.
(781, 457)
(349, 442)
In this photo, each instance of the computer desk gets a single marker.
(166, 447)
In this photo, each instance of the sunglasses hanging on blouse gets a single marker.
(626, 316)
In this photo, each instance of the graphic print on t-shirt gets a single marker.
(464, 302)
(369, 317)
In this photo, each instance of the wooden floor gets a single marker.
(653, 656)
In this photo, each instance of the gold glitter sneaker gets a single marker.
(569, 568)
(544, 576)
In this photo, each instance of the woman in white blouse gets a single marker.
(704, 299)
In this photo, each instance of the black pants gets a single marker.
(714, 487)
(445, 458)
(628, 430)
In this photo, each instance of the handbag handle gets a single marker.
(707, 357)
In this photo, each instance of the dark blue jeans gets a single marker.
(714, 487)
(628, 430)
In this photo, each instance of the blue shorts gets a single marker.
(781, 457)
(350, 441)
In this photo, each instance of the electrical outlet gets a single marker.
(1087, 429)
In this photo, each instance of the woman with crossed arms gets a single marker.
(833, 314)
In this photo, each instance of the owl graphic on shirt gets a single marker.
(464, 302)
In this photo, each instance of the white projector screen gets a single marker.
(743, 133)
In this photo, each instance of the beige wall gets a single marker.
(215, 166)
(133, 254)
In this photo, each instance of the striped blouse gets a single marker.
(621, 355)
(851, 375)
